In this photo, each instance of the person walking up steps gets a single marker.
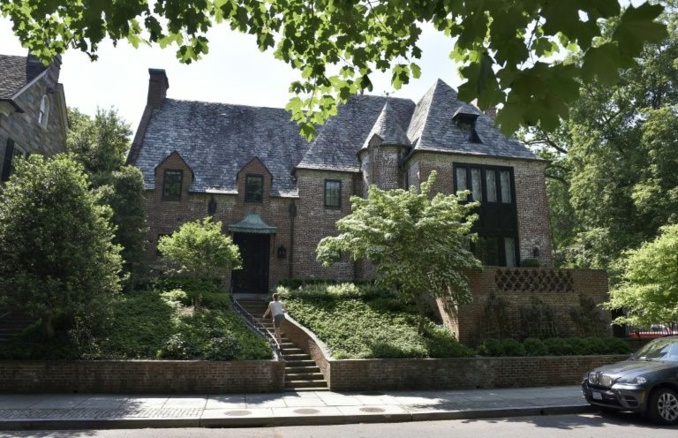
(277, 310)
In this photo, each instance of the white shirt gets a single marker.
(276, 308)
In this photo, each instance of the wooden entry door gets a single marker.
(255, 253)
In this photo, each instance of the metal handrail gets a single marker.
(257, 327)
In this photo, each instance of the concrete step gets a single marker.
(301, 372)
(299, 363)
(302, 369)
(304, 376)
(295, 356)
(305, 384)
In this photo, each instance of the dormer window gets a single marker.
(467, 123)
(43, 114)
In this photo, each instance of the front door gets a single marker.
(254, 251)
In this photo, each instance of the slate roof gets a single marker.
(216, 140)
(432, 128)
(342, 136)
(12, 75)
(389, 128)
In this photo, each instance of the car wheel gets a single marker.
(662, 406)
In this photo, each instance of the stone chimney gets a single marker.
(157, 87)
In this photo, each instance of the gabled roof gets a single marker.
(15, 73)
(216, 140)
(389, 128)
(433, 129)
(343, 135)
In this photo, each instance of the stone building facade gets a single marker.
(33, 115)
(279, 195)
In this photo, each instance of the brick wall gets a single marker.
(461, 373)
(530, 185)
(165, 217)
(315, 221)
(141, 377)
(457, 373)
(301, 234)
(472, 322)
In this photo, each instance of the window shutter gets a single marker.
(7, 163)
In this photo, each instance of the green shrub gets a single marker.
(512, 347)
(490, 347)
(615, 346)
(440, 342)
(364, 321)
(216, 300)
(535, 347)
(177, 347)
(176, 297)
(560, 347)
(225, 347)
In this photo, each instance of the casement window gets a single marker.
(332, 193)
(12, 152)
(497, 224)
(254, 188)
(43, 114)
(172, 185)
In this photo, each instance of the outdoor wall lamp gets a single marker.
(535, 252)
(282, 252)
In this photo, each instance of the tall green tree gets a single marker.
(612, 183)
(649, 288)
(100, 144)
(417, 241)
(499, 45)
(57, 256)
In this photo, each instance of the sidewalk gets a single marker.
(80, 411)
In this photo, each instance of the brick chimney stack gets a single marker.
(157, 87)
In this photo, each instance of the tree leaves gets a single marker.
(498, 42)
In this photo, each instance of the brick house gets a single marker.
(33, 115)
(278, 195)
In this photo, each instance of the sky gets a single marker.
(234, 71)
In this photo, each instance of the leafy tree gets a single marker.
(417, 242)
(57, 258)
(500, 45)
(124, 193)
(612, 183)
(200, 250)
(101, 144)
(649, 288)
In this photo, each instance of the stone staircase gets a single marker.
(12, 323)
(301, 372)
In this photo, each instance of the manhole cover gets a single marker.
(241, 413)
(306, 411)
(371, 410)
(371, 393)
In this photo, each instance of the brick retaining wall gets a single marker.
(461, 373)
(206, 377)
(456, 373)
(141, 377)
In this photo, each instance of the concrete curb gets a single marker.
(310, 420)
